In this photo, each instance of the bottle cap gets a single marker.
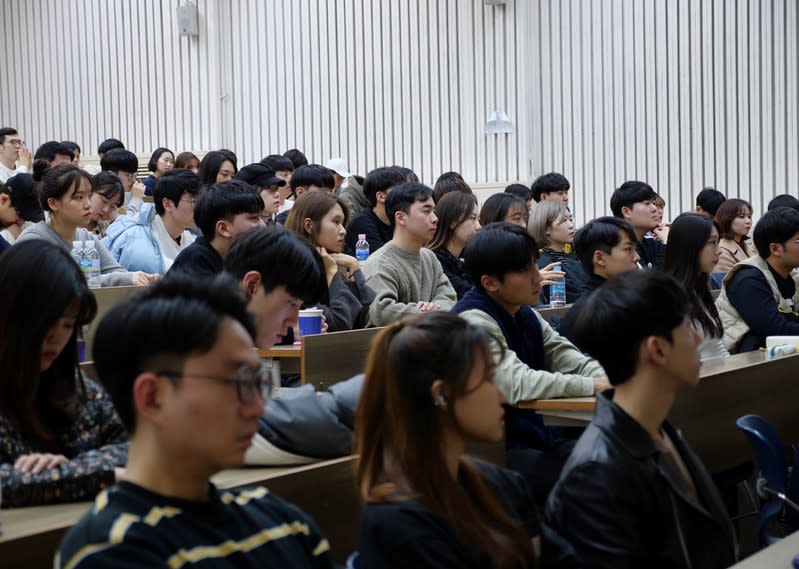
(77, 244)
(362, 236)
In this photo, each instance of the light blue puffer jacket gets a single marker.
(132, 244)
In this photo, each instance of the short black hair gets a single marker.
(551, 182)
(497, 206)
(282, 258)
(210, 166)
(709, 200)
(783, 200)
(629, 194)
(47, 151)
(403, 196)
(776, 226)
(278, 163)
(73, 146)
(450, 182)
(230, 156)
(172, 184)
(119, 160)
(297, 157)
(6, 131)
(520, 191)
(498, 249)
(174, 319)
(634, 306)
(225, 200)
(381, 180)
(600, 234)
(312, 175)
(109, 144)
(156, 156)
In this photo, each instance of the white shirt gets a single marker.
(169, 247)
(6, 172)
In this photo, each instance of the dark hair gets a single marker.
(629, 194)
(634, 305)
(520, 191)
(783, 200)
(297, 157)
(60, 180)
(24, 195)
(210, 166)
(119, 160)
(449, 182)
(552, 182)
(688, 235)
(282, 259)
(407, 174)
(498, 249)
(710, 200)
(278, 163)
(172, 184)
(727, 213)
(403, 196)
(453, 209)
(6, 131)
(400, 433)
(73, 146)
(600, 234)
(776, 226)
(498, 206)
(314, 206)
(381, 180)
(109, 144)
(108, 185)
(172, 320)
(41, 276)
(230, 156)
(184, 160)
(151, 165)
(312, 175)
(225, 200)
(47, 151)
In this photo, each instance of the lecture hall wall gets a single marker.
(680, 93)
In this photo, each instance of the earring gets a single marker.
(440, 402)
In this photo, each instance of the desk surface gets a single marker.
(776, 556)
(282, 352)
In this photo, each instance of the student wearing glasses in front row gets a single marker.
(15, 157)
(191, 392)
(152, 240)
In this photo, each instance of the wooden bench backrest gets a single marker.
(330, 358)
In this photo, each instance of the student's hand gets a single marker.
(137, 190)
(426, 306)
(38, 461)
(119, 474)
(601, 384)
(324, 324)
(550, 276)
(346, 262)
(331, 268)
(141, 278)
(25, 157)
(661, 232)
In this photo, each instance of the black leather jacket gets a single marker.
(619, 507)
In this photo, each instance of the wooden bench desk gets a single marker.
(107, 298)
(324, 490)
(776, 556)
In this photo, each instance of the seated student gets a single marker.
(106, 199)
(155, 237)
(102, 149)
(373, 221)
(189, 161)
(691, 254)
(450, 182)
(427, 503)
(504, 207)
(19, 206)
(310, 178)
(221, 212)
(320, 218)
(632, 494)
(60, 438)
(64, 192)
(268, 185)
(216, 167)
(551, 186)
(760, 296)
(284, 169)
(708, 201)
(125, 164)
(635, 202)
(551, 225)
(457, 222)
(606, 247)
(406, 277)
(521, 191)
(734, 217)
(661, 231)
(191, 392)
(161, 162)
(783, 200)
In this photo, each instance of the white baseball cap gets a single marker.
(339, 166)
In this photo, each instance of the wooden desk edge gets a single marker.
(282, 352)
(567, 404)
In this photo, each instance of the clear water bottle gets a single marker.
(362, 247)
(77, 253)
(557, 291)
(91, 259)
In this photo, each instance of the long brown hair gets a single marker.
(313, 206)
(400, 433)
(726, 214)
(451, 210)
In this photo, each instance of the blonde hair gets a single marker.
(544, 214)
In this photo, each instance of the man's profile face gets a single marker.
(519, 288)
(562, 195)
(274, 313)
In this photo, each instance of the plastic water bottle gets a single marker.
(91, 258)
(77, 253)
(362, 247)
(557, 291)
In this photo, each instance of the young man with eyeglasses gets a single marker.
(15, 157)
(190, 390)
(152, 240)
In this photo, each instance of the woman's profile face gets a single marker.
(164, 163)
(742, 223)
(331, 230)
(75, 207)
(709, 254)
(103, 208)
(517, 216)
(226, 172)
(478, 411)
(58, 336)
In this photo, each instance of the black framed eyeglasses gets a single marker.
(249, 381)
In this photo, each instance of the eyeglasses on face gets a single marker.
(250, 381)
(192, 201)
(15, 142)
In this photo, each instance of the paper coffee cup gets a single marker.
(310, 321)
